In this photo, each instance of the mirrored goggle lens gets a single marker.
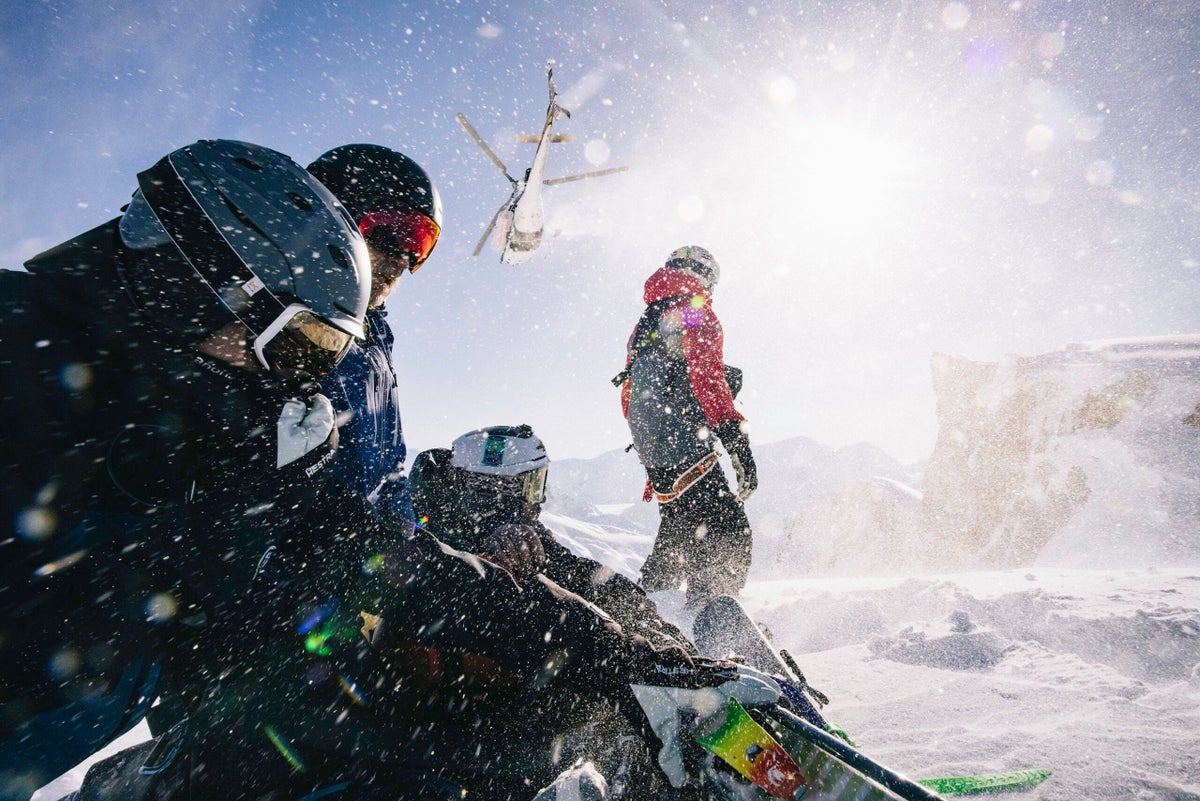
(529, 486)
(535, 485)
(401, 232)
(306, 343)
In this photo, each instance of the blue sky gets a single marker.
(880, 181)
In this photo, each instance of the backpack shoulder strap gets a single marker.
(645, 335)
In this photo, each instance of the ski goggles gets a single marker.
(299, 340)
(530, 486)
(401, 232)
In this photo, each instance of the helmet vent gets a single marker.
(301, 201)
(341, 257)
(248, 164)
(242, 218)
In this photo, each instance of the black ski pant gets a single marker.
(703, 538)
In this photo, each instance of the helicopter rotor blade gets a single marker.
(462, 120)
(568, 178)
(488, 231)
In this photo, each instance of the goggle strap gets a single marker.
(274, 329)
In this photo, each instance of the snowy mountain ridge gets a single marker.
(1085, 456)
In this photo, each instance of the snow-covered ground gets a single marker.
(1094, 674)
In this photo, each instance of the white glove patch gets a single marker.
(301, 428)
(744, 492)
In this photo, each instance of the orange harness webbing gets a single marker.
(684, 482)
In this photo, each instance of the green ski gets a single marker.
(1011, 780)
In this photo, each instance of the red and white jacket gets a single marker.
(676, 391)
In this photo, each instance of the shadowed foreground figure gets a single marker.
(485, 495)
(397, 209)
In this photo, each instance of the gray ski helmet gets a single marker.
(698, 261)
(223, 230)
(369, 178)
(505, 461)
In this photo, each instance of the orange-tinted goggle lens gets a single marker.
(400, 232)
(306, 343)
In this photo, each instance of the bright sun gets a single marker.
(849, 187)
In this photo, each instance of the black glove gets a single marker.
(515, 547)
(737, 445)
(733, 377)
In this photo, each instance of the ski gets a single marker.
(724, 628)
(836, 770)
(750, 749)
(1010, 780)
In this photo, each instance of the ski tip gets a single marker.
(1009, 780)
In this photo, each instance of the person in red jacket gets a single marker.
(677, 399)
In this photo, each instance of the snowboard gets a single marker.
(723, 627)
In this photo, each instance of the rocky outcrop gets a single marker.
(1080, 457)
(869, 526)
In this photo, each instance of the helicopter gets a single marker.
(521, 217)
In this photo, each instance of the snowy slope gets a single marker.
(1092, 673)
(1095, 674)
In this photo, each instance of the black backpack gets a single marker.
(645, 337)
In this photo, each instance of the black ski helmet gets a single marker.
(370, 178)
(223, 230)
(391, 198)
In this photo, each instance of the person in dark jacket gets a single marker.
(678, 402)
(484, 495)
(155, 389)
(167, 502)
(397, 209)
